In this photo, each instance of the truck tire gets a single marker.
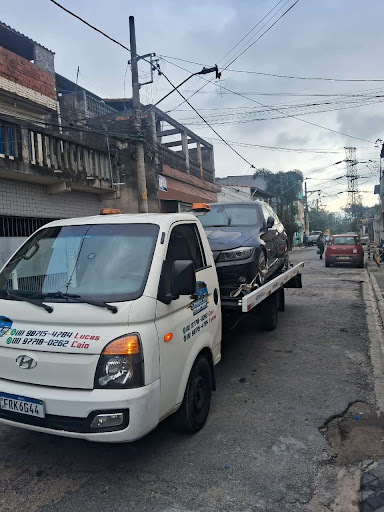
(193, 412)
(327, 263)
(270, 311)
(361, 265)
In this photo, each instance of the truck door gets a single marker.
(189, 320)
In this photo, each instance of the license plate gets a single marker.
(22, 405)
(343, 257)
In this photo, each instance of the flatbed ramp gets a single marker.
(253, 299)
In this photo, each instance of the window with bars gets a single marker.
(20, 226)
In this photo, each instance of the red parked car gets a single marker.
(344, 249)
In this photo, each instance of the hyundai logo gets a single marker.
(26, 362)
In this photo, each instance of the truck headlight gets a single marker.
(241, 253)
(121, 364)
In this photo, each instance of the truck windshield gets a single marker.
(230, 215)
(106, 262)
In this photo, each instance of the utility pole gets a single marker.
(306, 213)
(136, 111)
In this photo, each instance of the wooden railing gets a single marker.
(53, 152)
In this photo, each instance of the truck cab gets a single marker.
(109, 324)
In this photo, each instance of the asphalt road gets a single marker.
(261, 448)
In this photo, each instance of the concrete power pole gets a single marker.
(306, 213)
(136, 110)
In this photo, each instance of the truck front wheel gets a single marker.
(193, 413)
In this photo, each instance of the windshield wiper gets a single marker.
(76, 298)
(14, 296)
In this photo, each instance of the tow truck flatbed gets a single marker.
(270, 297)
(249, 301)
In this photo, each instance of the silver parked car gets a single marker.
(312, 237)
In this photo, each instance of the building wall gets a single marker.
(229, 193)
(32, 200)
(24, 78)
(44, 59)
(186, 188)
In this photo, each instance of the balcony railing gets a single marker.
(56, 153)
(177, 161)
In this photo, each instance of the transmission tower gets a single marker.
(354, 197)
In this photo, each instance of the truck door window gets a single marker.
(185, 244)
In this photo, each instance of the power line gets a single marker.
(90, 26)
(252, 29)
(268, 29)
(226, 65)
(292, 94)
(277, 148)
(306, 77)
(211, 127)
(249, 117)
(277, 110)
(292, 77)
(233, 47)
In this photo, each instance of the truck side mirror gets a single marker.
(177, 278)
(183, 278)
(270, 222)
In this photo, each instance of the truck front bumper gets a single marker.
(69, 412)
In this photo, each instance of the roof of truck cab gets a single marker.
(164, 220)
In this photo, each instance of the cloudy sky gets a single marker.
(339, 39)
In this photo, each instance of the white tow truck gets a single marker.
(109, 324)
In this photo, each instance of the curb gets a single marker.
(378, 295)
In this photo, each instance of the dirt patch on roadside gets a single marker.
(355, 435)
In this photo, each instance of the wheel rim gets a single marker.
(199, 394)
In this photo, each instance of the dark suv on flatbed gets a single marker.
(248, 242)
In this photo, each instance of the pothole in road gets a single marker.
(352, 480)
(356, 434)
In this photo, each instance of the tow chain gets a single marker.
(246, 288)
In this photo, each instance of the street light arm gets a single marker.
(204, 71)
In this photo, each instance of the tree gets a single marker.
(357, 212)
(287, 188)
(320, 220)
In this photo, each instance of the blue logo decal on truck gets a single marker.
(202, 298)
(5, 325)
(201, 289)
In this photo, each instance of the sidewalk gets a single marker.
(372, 478)
(377, 279)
